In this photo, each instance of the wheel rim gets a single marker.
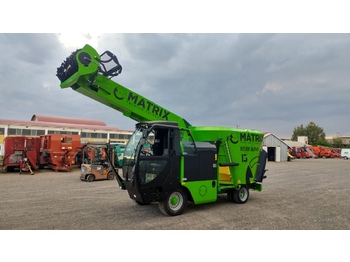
(175, 201)
(243, 194)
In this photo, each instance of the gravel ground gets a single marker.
(304, 194)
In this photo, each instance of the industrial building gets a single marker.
(89, 129)
(276, 148)
(345, 140)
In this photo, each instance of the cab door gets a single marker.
(158, 167)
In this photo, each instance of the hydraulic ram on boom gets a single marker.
(167, 160)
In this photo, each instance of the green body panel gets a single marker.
(238, 147)
(202, 191)
(256, 187)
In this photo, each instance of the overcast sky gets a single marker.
(271, 82)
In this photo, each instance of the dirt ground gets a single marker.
(304, 194)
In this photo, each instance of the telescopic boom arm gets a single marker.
(89, 73)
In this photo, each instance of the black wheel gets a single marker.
(175, 203)
(90, 178)
(110, 175)
(345, 157)
(240, 196)
(230, 195)
(140, 203)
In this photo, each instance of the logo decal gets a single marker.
(118, 95)
(234, 140)
(203, 190)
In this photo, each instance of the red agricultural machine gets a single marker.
(58, 151)
(301, 152)
(336, 152)
(55, 151)
(21, 152)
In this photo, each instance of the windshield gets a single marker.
(130, 149)
(130, 154)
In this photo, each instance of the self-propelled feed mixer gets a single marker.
(167, 160)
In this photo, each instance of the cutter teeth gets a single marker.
(68, 67)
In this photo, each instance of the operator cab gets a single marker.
(160, 158)
(151, 153)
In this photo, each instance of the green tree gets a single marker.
(315, 134)
(337, 142)
(298, 131)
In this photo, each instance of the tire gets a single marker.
(110, 175)
(140, 203)
(90, 178)
(240, 196)
(230, 195)
(345, 157)
(175, 203)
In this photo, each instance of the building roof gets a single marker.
(57, 125)
(271, 134)
(67, 120)
(294, 143)
(61, 122)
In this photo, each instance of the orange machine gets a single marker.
(97, 162)
(336, 152)
(58, 151)
(322, 152)
(21, 152)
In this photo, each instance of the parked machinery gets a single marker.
(97, 162)
(324, 152)
(185, 163)
(300, 152)
(336, 152)
(21, 152)
(118, 154)
(58, 151)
